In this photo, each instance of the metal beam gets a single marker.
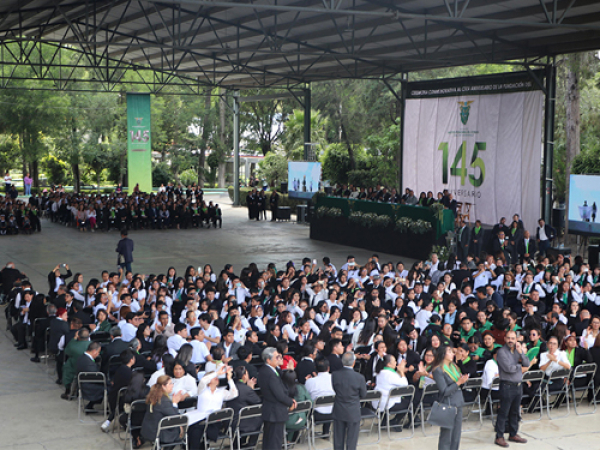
(236, 148)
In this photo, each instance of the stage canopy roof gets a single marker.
(262, 43)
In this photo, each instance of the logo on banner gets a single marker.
(138, 120)
(465, 109)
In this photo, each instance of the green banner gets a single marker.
(139, 144)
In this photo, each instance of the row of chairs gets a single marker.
(561, 386)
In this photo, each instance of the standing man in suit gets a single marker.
(464, 238)
(276, 400)
(476, 239)
(525, 248)
(125, 251)
(273, 204)
(349, 387)
(544, 236)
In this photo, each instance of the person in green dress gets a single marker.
(296, 421)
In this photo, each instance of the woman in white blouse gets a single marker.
(182, 382)
(390, 375)
(554, 359)
(356, 323)
(589, 335)
(211, 398)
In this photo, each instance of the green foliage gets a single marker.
(55, 169)
(336, 164)
(293, 134)
(324, 211)
(588, 161)
(442, 251)
(188, 177)
(404, 224)
(161, 174)
(273, 168)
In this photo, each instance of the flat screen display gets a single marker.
(304, 179)
(584, 201)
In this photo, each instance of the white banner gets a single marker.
(485, 149)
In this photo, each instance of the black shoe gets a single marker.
(22, 347)
(64, 396)
(35, 359)
(58, 381)
(16, 344)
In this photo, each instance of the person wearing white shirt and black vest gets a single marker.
(544, 236)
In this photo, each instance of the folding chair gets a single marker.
(490, 399)
(167, 423)
(136, 407)
(398, 395)
(91, 378)
(100, 336)
(188, 403)
(304, 407)
(559, 377)
(247, 413)
(223, 419)
(471, 390)
(534, 376)
(581, 373)
(430, 394)
(367, 412)
(323, 401)
(115, 422)
(113, 364)
(47, 353)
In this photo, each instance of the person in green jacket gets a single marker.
(102, 323)
(296, 421)
(74, 349)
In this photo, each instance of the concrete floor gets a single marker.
(34, 416)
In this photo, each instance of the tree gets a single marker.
(273, 168)
(293, 134)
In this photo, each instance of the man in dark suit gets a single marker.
(276, 400)
(464, 238)
(93, 393)
(125, 251)
(526, 248)
(376, 356)
(462, 275)
(411, 357)
(336, 350)
(306, 367)
(115, 347)
(349, 387)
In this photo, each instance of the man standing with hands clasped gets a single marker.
(276, 400)
(512, 362)
(125, 251)
(349, 387)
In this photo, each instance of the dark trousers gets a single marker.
(19, 331)
(543, 246)
(322, 417)
(273, 435)
(510, 404)
(449, 438)
(126, 267)
(345, 435)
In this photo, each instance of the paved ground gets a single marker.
(34, 416)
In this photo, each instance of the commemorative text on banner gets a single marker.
(139, 148)
(484, 148)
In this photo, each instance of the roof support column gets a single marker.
(549, 110)
(236, 148)
(307, 131)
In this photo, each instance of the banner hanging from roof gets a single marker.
(139, 143)
(485, 149)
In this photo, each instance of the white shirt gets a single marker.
(386, 381)
(152, 381)
(554, 366)
(186, 383)
(174, 343)
(319, 386)
(490, 371)
(482, 279)
(200, 351)
(212, 332)
(292, 335)
(422, 319)
(209, 401)
(128, 331)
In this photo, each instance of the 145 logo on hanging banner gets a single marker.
(459, 166)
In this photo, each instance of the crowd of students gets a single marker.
(171, 207)
(201, 333)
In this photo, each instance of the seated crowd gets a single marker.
(170, 339)
(384, 195)
(17, 216)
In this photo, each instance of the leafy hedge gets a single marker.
(284, 199)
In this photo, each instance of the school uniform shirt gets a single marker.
(211, 332)
(387, 380)
(200, 351)
(174, 343)
(319, 386)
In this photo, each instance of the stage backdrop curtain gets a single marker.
(485, 149)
